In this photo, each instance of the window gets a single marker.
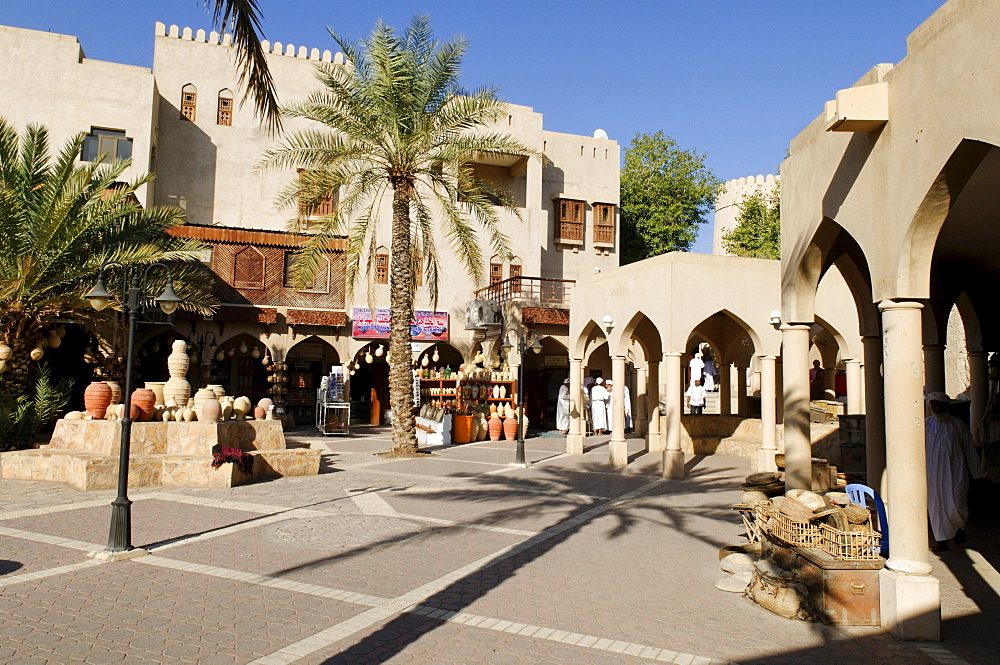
(569, 220)
(515, 272)
(189, 99)
(604, 223)
(106, 145)
(248, 269)
(496, 273)
(382, 268)
(225, 113)
(320, 282)
(324, 206)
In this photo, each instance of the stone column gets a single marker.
(978, 392)
(854, 386)
(798, 444)
(910, 598)
(617, 448)
(574, 439)
(673, 457)
(874, 413)
(641, 414)
(933, 367)
(725, 390)
(829, 383)
(741, 391)
(654, 440)
(768, 416)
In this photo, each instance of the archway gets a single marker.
(734, 345)
(308, 361)
(368, 380)
(543, 375)
(239, 367)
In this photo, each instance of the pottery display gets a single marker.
(116, 392)
(188, 414)
(266, 402)
(216, 388)
(503, 391)
(178, 362)
(510, 427)
(496, 391)
(157, 388)
(143, 405)
(484, 427)
(201, 398)
(473, 429)
(96, 399)
(241, 407)
(259, 413)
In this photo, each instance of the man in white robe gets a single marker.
(562, 408)
(599, 397)
(695, 367)
(612, 415)
(950, 451)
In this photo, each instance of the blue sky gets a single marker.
(735, 80)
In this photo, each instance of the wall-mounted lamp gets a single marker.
(608, 322)
(775, 318)
(597, 269)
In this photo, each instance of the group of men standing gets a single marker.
(597, 397)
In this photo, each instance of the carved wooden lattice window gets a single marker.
(248, 269)
(569, 219)
(225, 115)
(515, 272)
(324, 206)
(496, 273)
(604, 223)
(189, 100)
(382, 268)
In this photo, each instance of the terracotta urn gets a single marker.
(201, 398)
(495, 427)
(510, 428)
(97, 398)
(116, 392)
(259, 413)
(143, 405)
(211, 411)
(157, 388)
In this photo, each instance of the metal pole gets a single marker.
(120, 535)
(519, 457)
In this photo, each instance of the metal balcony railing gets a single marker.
(541, 291)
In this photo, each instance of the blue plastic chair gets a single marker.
(859, 494)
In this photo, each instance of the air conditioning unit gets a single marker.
(480, 314)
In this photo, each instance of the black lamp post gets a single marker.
(201, 340)
(135, 303)
(522, 347)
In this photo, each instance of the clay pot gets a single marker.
(259, 413)
(495, 427)
(216, 388)
(267, 403)
(157, 388)
(178, 361)
(201, 398)
(176, 389)
(116, 392)
(143, 405)
(474, 429)
(241, 406)
(188, 414)
(96, 399)
(510, 428)
(484, 427)
(73, 415)
(211, 411)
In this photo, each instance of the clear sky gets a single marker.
(734, 80)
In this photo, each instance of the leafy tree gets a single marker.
(397, 126)
(22, 417)
(59, 222)
(757, 233)
(666, 192)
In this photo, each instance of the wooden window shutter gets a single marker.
(382, 268)
(189, 101)
(225, 115)
(496, 273)
(248, 269)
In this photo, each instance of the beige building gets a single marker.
(183, 119)
(894, 183)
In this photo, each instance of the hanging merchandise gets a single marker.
(437, 357)
(232, 352)
(243, 347)
(265, 361)
(255, 353)
(424, 362)
(380, 351)
(369, 358)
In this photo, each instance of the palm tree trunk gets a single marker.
(404, 439)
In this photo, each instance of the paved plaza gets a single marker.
(454, 558)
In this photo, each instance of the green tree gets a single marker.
(396, 125)
(59, 222)
(666, 192)
(757, 234)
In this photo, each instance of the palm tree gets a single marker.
(59, 222)
(241, 18)
(396, 124)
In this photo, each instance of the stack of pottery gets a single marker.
(96, 399)
(177, 387)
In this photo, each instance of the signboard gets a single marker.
(425, 326)
(556, 361)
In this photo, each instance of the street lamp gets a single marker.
(202, 340)
(522, 347)
(134, 303)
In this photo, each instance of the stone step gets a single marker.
(86, 470)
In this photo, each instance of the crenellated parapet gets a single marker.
(275, 48)
(731, 193)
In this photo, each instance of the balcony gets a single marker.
(537, 291)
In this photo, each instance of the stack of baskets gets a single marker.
(806, 519)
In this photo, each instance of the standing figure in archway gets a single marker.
(950, 452)
(696, 367)
(599, 397)
(562, 408)
(817, 381)
(710, 373)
